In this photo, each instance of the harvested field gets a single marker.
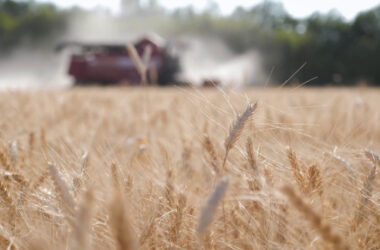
(173, 168)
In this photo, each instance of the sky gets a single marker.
(298, 8)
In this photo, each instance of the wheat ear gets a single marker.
(250, 154)
(4, 160)
(236, 129)
(4, 194)
(296, 170)
(176, 227)
(39, 182)
(315, 179)
(209, 210)
(366, 194)
(315, 219)
(209, 147)
(13, 148)
(63, 191)
(372, 157)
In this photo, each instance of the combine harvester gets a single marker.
(148, 61)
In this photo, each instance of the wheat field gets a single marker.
(148, 168)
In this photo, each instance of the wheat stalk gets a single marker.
(254, 184)
(236, 129)
(63, 191)
(209, 210)
(186, 156)
(315, 180)
(115, 177)
(39, 182)
(149, 229)
(84, 165)
(372, 157)
(209, 147)
(32, 142)
(4, 160)
(250, 154)
(315, 219)
(83, 219)
(43, 137)
(169, 188)
(345, 163)
(120, 222)
(366, 194)
(19, 178)
(296, 170)
(176, 226)
(5, 195)
(13, 148)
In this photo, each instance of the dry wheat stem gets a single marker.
(83, 220)
(120, 222)
(149, 229)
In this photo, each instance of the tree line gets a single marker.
(326, 46)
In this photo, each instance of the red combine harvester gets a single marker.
(107, 64)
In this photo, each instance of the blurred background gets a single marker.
(234, 43)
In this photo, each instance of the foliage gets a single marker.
(337, 51)
(28, 23)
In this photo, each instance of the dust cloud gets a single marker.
(210, 59)
(26, 68)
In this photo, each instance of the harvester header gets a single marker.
(109, 63)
